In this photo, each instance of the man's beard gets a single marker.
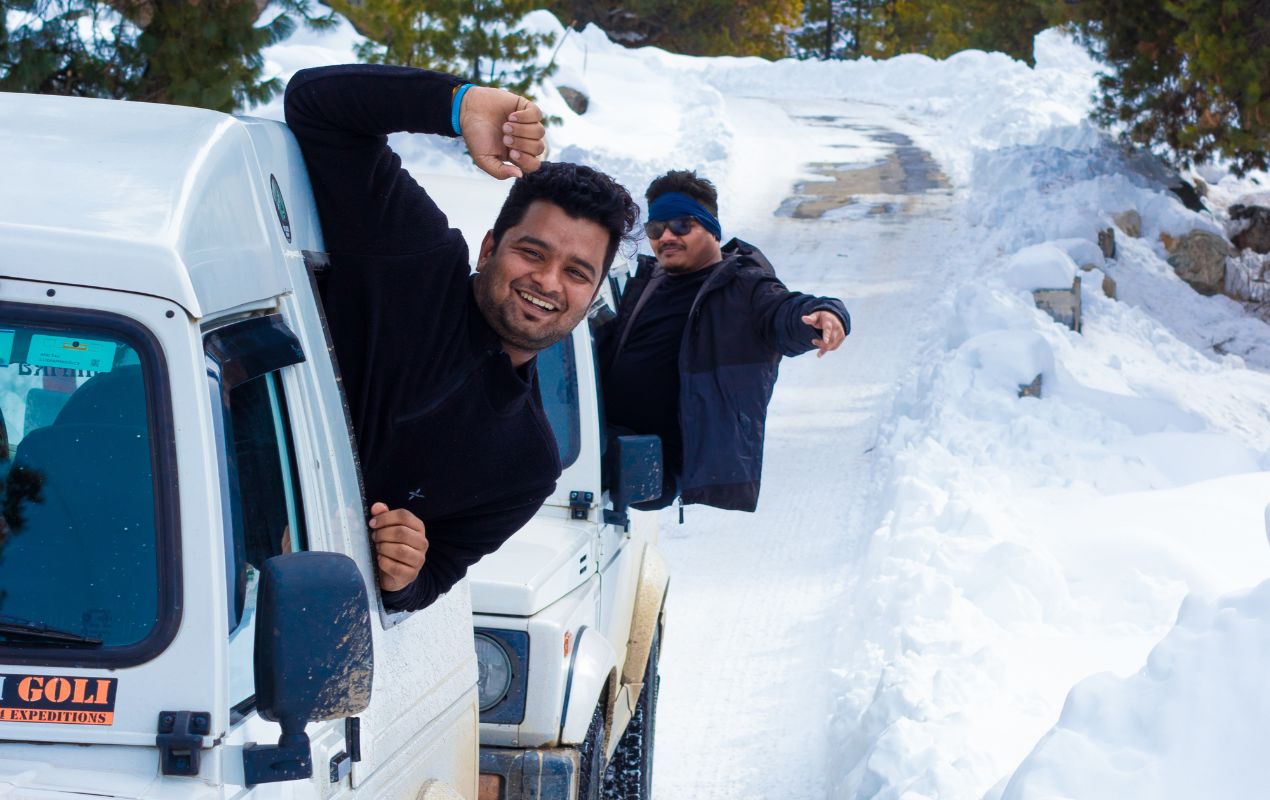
(503, 317)
(676, 269)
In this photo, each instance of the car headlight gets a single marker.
(502, 658)
(495, 671)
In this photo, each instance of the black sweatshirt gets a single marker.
(641, 389)
(446, 427)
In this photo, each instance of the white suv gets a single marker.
(569, 612)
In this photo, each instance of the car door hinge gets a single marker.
(180, 740)
(580, 504)
(342, 762)
(353, 737)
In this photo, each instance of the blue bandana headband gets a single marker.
(674, 205)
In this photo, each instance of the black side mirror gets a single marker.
(634, 473)
(313, 656)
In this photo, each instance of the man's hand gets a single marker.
(831, 330)
(499, 126)
(400, 544)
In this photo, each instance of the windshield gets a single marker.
(558, 382)
(77, 534)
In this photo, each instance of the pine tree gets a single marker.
(202, 53)
(479, 39)
(1009, 27)
(1192, 76)
(68, 47)
(937, 28)
(841, 29)
(693, 27)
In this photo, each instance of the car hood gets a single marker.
(541, 563)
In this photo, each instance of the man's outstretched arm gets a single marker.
(342, 116)
(795, 323)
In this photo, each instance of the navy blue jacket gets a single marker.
(741, 324)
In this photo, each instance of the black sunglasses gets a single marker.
(679, 226)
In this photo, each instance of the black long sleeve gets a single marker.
(342, 117)
(446, 427)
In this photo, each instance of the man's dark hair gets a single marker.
(685, 182)
(582, 193)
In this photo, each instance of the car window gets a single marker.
(266, 517)
(558, 382)
(78, 535)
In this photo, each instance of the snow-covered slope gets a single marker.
(1190, 724)
(942, 561)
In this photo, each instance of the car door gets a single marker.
(250, 363)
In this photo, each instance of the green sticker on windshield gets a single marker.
(6, 347)
(71, 353)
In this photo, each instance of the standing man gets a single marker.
(692, 355)
(438, 365)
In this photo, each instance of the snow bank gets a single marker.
(1190, 724)
(1028, 542)
(1041, 266)
(972, 100)
(1066, 193)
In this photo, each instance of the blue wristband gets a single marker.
(458, 103)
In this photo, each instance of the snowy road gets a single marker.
(746, 667)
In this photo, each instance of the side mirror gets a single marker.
(634, 474)
(313, 656)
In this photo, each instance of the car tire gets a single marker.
(630, 773)
(591, 759)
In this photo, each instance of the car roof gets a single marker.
(157, 199)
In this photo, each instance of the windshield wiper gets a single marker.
(24, 630)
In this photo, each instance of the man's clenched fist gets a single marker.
(400, 546)
(498, 127)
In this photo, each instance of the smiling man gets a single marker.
(438, 365)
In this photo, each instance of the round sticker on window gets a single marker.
(281, 207)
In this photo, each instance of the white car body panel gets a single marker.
(542, 562)
(163, 200)
(592, 668)
(145, 210)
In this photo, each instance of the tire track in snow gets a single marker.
(755, 598)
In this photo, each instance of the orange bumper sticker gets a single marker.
(63, 699)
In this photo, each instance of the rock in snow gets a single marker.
(1255, 235)
(1246, 277)
(576, 100)
(1130, 222)
(1107, 242)
(1199, 258)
